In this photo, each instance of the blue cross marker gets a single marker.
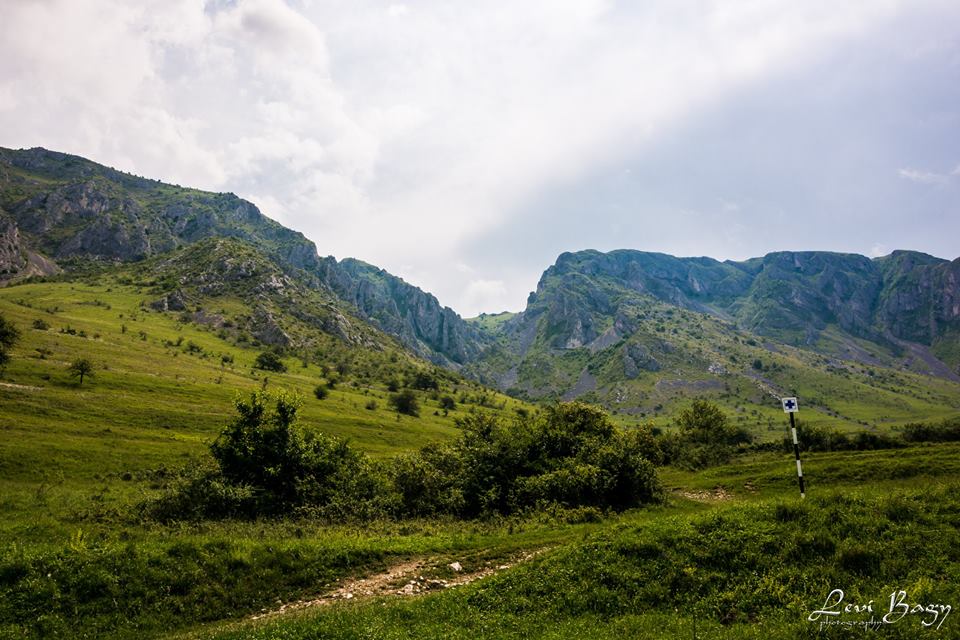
(789, 405)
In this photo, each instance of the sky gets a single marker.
(464, 145)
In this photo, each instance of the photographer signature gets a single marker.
(899, 608)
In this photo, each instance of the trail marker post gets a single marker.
(790, 407)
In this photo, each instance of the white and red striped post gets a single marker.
(791, 407)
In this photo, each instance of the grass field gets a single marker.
(732, 554)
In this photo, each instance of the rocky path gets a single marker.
(405, 579)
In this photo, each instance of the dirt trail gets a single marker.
(404, 579)
(718, 494)
(11, 385)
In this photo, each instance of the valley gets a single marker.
(185, 303)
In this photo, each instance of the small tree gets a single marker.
(424, 380)
(320, 392)
(270, 361)
(705, 423)
(405, 402)
(8, 337)
(447, 403)
(80, 368)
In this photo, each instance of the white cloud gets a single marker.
(878, 250)
(923, 177)
(486, 295)
(391, 134)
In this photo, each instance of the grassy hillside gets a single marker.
(163, 388)
(78, 561)
(752, 564)
(76, 459)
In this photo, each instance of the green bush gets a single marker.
(424, 380)
(946, 431)
(405, 402)
(569, 455)
(270, 361)
(266, 465)
(8, 337)
(705, 438)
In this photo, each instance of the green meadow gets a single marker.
(731, 553)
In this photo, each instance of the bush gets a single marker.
(320, 392)
(570, 455)
(424, 380)
(266, 465)
(40, 324)
(705, 423)
(405, 402)
(705, 438)
(946, 431)
(8, 337)
(815, 438)
(270, 361)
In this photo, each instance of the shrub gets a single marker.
(705, 437)
(320, 392)
(40, 324)
(8, 337)
(405, 402)
(705, 423)
(270, 361)
(424, 380)
(946, 431)
(263, 464)
(813, 438)
(570, 455)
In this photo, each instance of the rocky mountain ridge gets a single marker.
(57, 209)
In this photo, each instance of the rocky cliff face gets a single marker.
(69, 207)
(909, 295)
(60, 208)
(804, 292)
(920, 300)
(402, 310)
(907, 303)
(12, 256)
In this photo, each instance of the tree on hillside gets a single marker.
(8, 337)
(80, 368)
(405, 402)
(270, 361)
(705, 423)
(424, 380)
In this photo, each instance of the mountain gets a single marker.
(862, 341)
(62, 211)
(639, 332)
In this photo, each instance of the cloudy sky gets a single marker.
(464, 145)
